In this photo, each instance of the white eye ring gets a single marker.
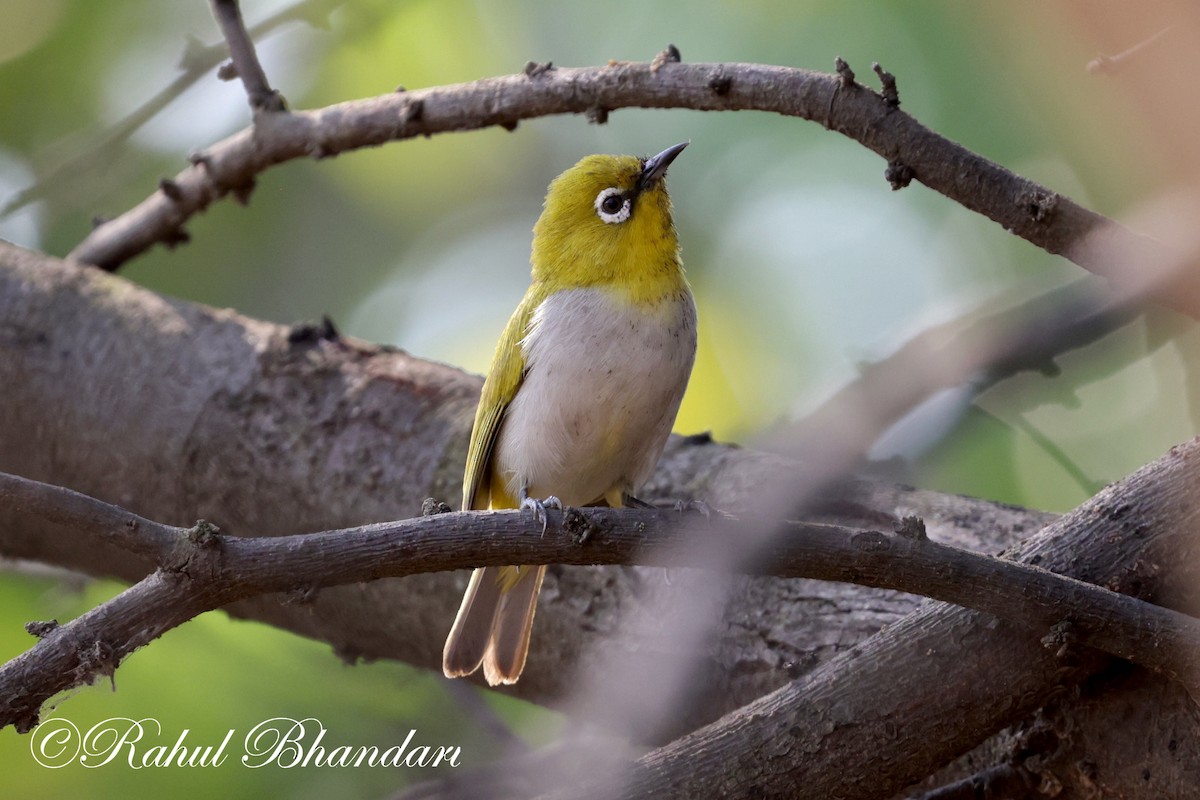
(612, 217)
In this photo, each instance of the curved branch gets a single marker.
(1033, 212)
(200, 570)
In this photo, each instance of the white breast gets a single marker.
(602, 387)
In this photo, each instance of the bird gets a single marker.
(584, 386)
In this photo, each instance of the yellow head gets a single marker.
(607, 222)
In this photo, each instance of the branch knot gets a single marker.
(579, 525)
(669, 55)
(1040, 204)
(171, 189)
(898, 174)
(720, 81)
(536, 69)
(41, 628)
(1060, 638)
(912, 528)
(431, 506)
(845, 74)
(313, 332)
(887, 81)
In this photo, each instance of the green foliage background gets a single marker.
(803, 260)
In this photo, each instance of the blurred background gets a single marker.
(805, 263)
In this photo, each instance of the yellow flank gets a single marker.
(584, 385)
(614, 440)
(500, 387)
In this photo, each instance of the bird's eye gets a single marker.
(612, 206)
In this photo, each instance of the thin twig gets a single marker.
(483, 717)
(245, 60)
(196, 62)
(1111, 64)
(1085, 482)
(200, 570)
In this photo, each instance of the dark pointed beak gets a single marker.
(656, 167)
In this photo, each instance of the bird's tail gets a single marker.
(493, 624)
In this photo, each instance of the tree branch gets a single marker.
(977, 352)
(1080, 745)
(943, 679)
(197, 60)
(245, 60)
(1037, 214)
(200, 570)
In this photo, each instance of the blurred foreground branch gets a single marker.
(974, 352)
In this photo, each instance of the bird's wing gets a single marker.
(503, 380)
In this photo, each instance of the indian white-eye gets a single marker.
(585, 383)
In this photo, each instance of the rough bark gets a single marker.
(1067, 749)
(941, 680)
(199, 413)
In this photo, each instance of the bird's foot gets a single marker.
(539, 508)
(698, 506)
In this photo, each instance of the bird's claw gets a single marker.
(699, 506)
(539, 508)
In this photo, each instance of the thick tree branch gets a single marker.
(943, 679)
(200, 570)
(1065, 749)
(1048, 220)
